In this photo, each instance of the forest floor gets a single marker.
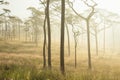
(24, 61)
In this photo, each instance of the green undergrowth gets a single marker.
(29, 66)
(31, 72)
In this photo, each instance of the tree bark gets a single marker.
(49, 34)
(44, 43)
(75, 51)
(88, 41)
(62, 66)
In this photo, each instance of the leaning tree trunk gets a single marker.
(49, 34)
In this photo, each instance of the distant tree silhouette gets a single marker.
(87, 20)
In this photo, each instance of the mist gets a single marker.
(59, 40)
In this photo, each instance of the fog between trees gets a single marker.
(93, 31)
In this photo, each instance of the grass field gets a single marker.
(23, 61)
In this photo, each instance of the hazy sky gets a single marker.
(18, 7)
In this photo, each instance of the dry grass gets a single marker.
(28, 66)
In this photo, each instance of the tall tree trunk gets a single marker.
(9, 28)
(104, 39)
(13, 31)
(2, 31)
(62, 66)
(96, 40)
(36, 38)
(75, 43)
(5, 28)
(113, 48)
(49, 34)
(26, 36)
(44, 43)
(19, 30)
(88, 42)
(68, 40)
(75, 40)
(36, 35)
(75, 54)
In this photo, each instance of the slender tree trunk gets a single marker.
(36, 39)
(62, 66)
(104, 39)
(113, 48)
(96, 40)
(44, 43)
(49, 34)
(88, 41)
(36, 35)
(19, 30)
(2, 31)
(75, 47)
(75, 51)
(13, 32)
(82, 42)
(8, 30)
(68, 40)
(5, 28)
(26, 37)
(75, 54)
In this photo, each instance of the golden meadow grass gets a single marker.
(25, 63)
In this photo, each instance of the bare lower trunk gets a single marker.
(104, 39)
(113, 40)
(19, 31)
(68, 40)
(25, 37)
(49, 34)
(36, 39)
(96, 40)
(44, 44)
(62, 66)
(75, 53)
(88, 42)
(5, 29)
